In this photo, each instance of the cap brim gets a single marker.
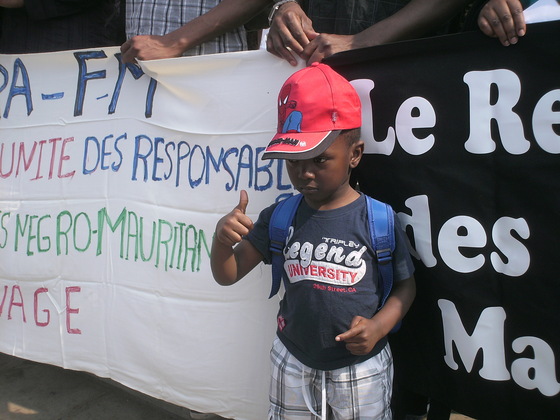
(299, 146)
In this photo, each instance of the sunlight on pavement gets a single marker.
(18, 409)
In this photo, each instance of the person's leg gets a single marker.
(362, 391)
(290, 379)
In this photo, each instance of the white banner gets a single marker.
(111, 184)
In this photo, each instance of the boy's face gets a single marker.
(325, 178)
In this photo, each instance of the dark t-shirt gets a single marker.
(332, 277)
(57, 25)
(344, 17)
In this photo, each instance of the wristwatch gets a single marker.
(276, 7)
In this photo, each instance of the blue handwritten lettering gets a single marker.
(24, 89)
(84, 76)
(137, 73)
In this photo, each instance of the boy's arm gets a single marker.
(232, 264)
(232, 257)
(364, 333)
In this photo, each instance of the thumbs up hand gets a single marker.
(243, 201)
(233, 226)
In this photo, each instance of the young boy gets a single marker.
(331, 354)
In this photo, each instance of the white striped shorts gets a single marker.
(358, 392)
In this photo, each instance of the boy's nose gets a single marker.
(305, 170)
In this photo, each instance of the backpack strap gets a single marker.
(280, 222)
(382, 232)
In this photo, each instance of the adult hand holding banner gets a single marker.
(112, 178)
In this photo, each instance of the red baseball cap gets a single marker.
(314, 105)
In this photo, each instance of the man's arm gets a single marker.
(226, 16)
(414, 20)
(11, 4)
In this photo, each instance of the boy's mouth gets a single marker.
(306, 189)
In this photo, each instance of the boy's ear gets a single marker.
(357, 153)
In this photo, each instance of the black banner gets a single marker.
(465, 145)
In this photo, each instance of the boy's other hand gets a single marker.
(233, 226)
(362, 336)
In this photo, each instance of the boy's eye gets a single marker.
(320, 159)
